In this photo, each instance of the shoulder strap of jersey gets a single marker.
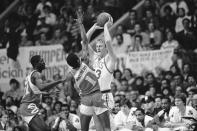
(33, 87)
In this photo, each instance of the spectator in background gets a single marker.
(138, 31)
(113, 88)
(179, 80)
(43, 114)
(142, 120)
(47, 104)
(179, 4)
(150, 18)
(40, 7)
(163, 115)
(179, 21)
(63, 18)
(59, 37)
(124, 118)
(116, 108)
(190, 94)
(30, 19)
(74, 107)
(138, 45)
(165, 83)
(68, 121)
(180, 109)
(175, 69)
(15, 91)
(121, 41)
(57, 107)
(170, 43)
(11, 105)
(186, 70)
(132, 21)
(149, 5)
(148, 105)
(139, 85)
(186, 36)
(25, 41)
(127, 74)
(155, 36)
(117, 78)
(124, 85)
(42, 40)
(49, 17)
(133, 97)
(191, 82)
(4, 120)
(158, 104)
(168, 20)
(90, 16)
(151, 82)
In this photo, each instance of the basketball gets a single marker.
(102, 18)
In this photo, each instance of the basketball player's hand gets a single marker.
(79, 17)
(96, 27)
(109, 23)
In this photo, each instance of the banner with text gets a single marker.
(53, 55)
(139, 62)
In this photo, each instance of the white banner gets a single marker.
(149, 60)
(53, 55)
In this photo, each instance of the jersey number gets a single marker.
(26, 90)
(98, 73)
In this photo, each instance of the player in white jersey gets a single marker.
(103, 61)
(87, 82)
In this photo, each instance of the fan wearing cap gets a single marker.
(34, 87)
(87, 82)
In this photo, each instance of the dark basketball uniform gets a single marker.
(29, 106)
(91, 97)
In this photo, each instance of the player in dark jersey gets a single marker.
(34, 87)
(87, 82)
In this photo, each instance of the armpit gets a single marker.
(34, 77)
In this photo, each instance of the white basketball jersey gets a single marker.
(103, 74)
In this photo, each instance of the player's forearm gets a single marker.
(83, 33)
(90, 32)
(48, 86)
(108, 42)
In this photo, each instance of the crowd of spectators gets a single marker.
(47, 22)
(144, 100)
